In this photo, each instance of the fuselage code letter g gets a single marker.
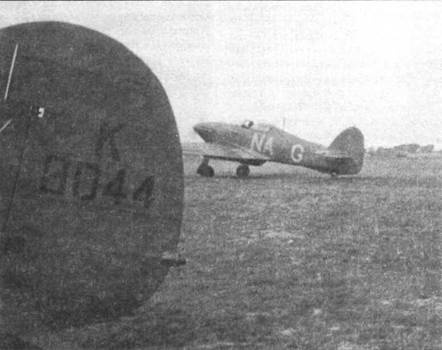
(296, 153)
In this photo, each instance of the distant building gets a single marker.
(407, 148)
(403, 150)
(426, 149)
(371, 151)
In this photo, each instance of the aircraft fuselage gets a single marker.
(274, 144)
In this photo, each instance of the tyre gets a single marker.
(242, 171)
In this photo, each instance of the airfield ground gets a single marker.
(292, 259)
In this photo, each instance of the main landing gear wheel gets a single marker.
(243, 171)
(205, 170)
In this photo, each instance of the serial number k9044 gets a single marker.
(86, 181)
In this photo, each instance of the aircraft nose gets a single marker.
(199, 127)
(207, 131)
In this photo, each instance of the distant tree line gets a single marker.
(401, 150)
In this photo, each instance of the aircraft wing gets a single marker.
(217, 151)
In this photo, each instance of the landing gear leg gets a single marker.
(205, 169)
(242, 171)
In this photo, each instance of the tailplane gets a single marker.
(350, 142)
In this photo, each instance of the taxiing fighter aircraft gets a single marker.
(251, 144)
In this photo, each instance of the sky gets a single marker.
(313, 67)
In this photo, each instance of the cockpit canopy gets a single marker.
(247, 124)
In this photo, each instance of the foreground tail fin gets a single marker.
(351, 143)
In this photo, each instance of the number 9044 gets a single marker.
(82, 180)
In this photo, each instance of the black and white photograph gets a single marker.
(220, 175)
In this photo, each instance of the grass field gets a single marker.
(292, 259)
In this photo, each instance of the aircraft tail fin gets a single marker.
(351, 143)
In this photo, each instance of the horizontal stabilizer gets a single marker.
(327, 153)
